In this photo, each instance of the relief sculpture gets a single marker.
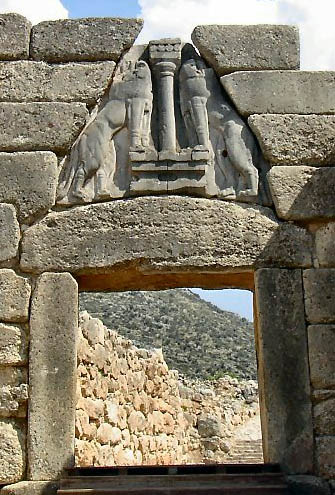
(164, 127)
(93, 155)
(213, 124)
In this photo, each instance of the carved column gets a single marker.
(165, 56)
(164, 72)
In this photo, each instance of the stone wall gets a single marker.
(14, 338)
(51, 77)
(131, 409)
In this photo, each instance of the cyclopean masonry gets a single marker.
(152, 167)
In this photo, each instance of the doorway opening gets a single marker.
(167, 377)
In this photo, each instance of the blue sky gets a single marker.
(109, 8)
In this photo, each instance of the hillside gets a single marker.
(198, 339)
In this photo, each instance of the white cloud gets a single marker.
(169, 18)
(35, 10)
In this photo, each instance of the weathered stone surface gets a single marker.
(14, 37)
(322, 395)
(13, 400)
(320, 295)
(83, 39)
(307, 485)
(13, 376)
(324, 419)
(295, 139)
(283, 360)
(29, 181)
(37, 81)
(14, 296)
(303, 193)
(13, 345)
(299, 92)
(40, 126)
(325, 245)
(209, 426)
(163, 234)
(321, 343)
(12, 451)
(9, 232)
(325, 448)
(255, 47)
(52, 376)
(31, 488)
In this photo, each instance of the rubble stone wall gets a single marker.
(131, 409)
(52, 75)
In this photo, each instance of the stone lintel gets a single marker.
(176, 232)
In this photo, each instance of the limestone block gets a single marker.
(9, 232)
(86, 453)
(325, 245)
(13, 400)
(29, 181)
(14, 296)
(307, 485)
(283, 361)
(13, 345)
(209, 426)
(52, 376)
(320, 295)
(13, 376)
(185, 231)
(324, 418)
(83, 426)
(93, 407)
(321, 343)
(88, 39)
(136, 421)
(37, 81)
(108, 434)
(255, 47)
(40, 126)
(303, 193)
(14, 37)
(300, 92)
(325, 459)
(12, 451)
(125, 457)
(31, 488)
(295, 139)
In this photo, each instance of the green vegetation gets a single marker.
(198, 339)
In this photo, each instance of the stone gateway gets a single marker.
(159, 166)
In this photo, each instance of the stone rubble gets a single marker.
(131, 409)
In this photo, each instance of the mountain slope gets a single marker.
(198, 339)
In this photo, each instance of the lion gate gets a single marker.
(152, 167)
